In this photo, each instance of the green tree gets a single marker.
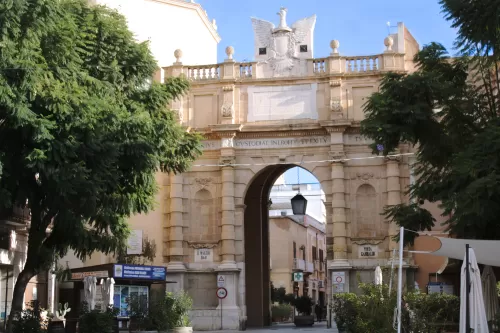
(449, 111)
(83, 128)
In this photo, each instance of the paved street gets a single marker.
(284, 328)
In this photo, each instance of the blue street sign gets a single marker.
(139, 272)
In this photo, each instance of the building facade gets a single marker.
(298, 245)
(259, 119)
(195, 33)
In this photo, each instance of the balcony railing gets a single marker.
(309, 267)
(299, 264)
(332, 65)
(17, 215)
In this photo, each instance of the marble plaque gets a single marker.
(368, 251)
(282, 102)
(203, 255)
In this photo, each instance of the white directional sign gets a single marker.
(221, 281)
(338, 277)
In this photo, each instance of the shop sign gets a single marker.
(82, 275)
(139, 272)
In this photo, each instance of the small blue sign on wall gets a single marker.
(139, 272)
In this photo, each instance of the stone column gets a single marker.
(228, 250)
(393, 195)
(176, 250)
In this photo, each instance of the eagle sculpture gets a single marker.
(281, 42)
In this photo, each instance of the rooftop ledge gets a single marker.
(333, 65)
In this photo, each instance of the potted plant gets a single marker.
(181, 304)
(304, 305)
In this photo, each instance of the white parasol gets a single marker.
(108, 290)
(477, 313)
(378, 276)
(489, 283)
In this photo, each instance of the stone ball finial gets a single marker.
(388, 42)
(230, 52)
(178, 55)
(334, 44)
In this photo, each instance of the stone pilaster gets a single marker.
(393, 194)
(228, 250)
(176, 250)
(339, 209)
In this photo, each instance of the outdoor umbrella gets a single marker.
(87, 281)
(378, 276)
(477, 314)
(107, 292)
(489, 282)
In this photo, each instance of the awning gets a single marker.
(487, 251)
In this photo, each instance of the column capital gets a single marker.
(337, 156)
(227, 161)
(392, 159)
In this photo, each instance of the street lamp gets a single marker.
(299, 204)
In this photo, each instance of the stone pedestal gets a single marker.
(229, 305)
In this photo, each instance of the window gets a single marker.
(294, 250)
(123, 294)
(314, 253)
(304, 252)
(321, 255)
(262, 51)
(303, 48)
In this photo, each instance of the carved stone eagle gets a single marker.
(281, 42)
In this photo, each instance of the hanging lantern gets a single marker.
(299, 204)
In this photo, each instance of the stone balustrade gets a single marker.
(335, 64)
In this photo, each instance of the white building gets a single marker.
(281, 193)
(170, 25)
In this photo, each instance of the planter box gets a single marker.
(182, 330)
(303, 321)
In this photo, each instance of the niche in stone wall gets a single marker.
(202, 218)
(367, 215)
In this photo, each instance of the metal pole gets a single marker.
(467, 290)
(392, 270)
(400, 275)
(221, 314)
(328, 297)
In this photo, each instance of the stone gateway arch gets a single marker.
(259, 120)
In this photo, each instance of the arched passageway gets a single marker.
(257, 246)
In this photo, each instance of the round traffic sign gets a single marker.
(221, 293)
(338, 279)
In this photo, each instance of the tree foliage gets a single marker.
(449, 111)
(83, 130)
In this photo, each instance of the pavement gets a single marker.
(290, 327)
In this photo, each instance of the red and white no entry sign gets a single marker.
(221, 293)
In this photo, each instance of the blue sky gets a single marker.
(359, 25)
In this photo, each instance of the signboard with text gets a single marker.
(139, 272)
(82, 275)
(203, 255)
(368, 251)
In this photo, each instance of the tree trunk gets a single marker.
(18, 296)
